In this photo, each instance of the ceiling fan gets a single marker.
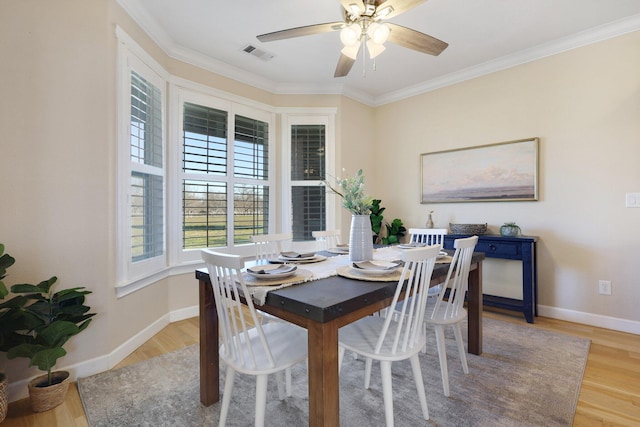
(363, 25)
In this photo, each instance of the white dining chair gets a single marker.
(449, 306)
(259, 350)
(269, 246)
(326, 239)
(428, 236)
(386, 340)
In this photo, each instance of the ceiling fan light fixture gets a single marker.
(374, 49)
(350, 35)
(379, 33)
(351, 51)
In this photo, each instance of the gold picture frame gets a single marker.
(505, 171)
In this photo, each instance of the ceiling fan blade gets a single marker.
(301, 31)
(344, 66)
(347, 4)
(415, 40)
(398, 7)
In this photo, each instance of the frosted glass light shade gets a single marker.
(351, 51)
(374, 49)
(379, 33)
(350, 35)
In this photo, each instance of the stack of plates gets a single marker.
(271, 271)
(299, 258)
(376, 268)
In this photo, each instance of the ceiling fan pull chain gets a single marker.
(364, 59)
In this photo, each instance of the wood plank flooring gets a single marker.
(609, 396)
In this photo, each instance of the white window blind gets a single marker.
(308, 170)
(147, 180)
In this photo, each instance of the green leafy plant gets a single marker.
(395, 231)
(376, 218)
(47, 320)
(351, 190)
(6, 261)
(6, 325)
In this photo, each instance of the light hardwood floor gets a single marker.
(609, 396)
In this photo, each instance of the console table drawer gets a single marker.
(500, 250)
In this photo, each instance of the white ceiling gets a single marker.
(483, 36)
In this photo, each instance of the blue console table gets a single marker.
(522, 248)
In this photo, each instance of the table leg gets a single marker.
(474, 306)
(209, 357)
(324, 408)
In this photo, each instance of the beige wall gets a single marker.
(584, 106)
(57, 164)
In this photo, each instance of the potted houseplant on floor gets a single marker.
(48, 320)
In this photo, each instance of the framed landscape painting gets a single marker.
(506, 171)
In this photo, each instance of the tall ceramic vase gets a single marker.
(360, 239)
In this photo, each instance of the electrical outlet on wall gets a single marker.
(604, 287)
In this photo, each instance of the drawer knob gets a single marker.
(492, 247)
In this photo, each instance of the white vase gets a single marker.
(361, 238)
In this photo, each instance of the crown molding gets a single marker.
(164, 41)
(584, 38)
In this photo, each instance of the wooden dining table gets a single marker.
(322, 307)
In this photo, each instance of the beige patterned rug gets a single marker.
(525, 377)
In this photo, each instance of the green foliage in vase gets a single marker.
(351, 190)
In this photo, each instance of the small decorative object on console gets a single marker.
(510, 229)
(468, 228)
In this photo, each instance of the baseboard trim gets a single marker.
(607, 322)
(184, 313)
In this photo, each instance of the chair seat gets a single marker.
(288, 344)
(441, 319)
(361, 337)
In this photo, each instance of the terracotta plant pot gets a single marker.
(44, 397)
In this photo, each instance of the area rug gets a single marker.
(525, 377)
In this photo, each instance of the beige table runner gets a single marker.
(258, 288)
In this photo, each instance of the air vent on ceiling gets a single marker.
(258, 53)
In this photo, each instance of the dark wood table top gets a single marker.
(326, 299)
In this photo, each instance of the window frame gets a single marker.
(185, 91)
(307, 116)
(131, 275)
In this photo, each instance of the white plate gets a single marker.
(281, 260)
(298, 257)
(369, 267)
(272, 271)
(442, 254)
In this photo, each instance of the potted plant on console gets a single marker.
(47, 320)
